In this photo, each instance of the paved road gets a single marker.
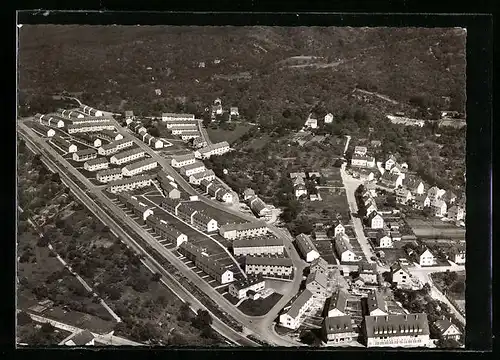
(116, 228)
(351, 185)
(108, 339)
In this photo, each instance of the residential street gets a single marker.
(351, 185)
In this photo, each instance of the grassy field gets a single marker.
(435, 228)
(218, 135)
(260, 306)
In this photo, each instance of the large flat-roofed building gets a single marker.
(176, 117)
(114, 147)
(268, 266)
(197, 178)
(96, 126)
(183, 160)
(42, 129)
(191, 169)
(126, 156)
(306, 247)
(139, 167)
(49, 121)
(89, 140)
(64, 144)
(107, 175)
(239, 289)
(261, 245)
(213, 149)
(244, 230)
(338, 330)
(166, 231)
(84, 155)
(96, 164)
(293, 314)
(411, 330)
(134, 182)
(214, 268)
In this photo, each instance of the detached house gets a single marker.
(376, 304)
(306, 247)
(390, 162)
(456, 212)
(338, 330)
(293, 314)
(338, 303)
(414, 185)
(425, 257)
(421, 201)
(400, 276)
(447, 329)
(300, 190)
(368, 273)
(439, 208)
(391, 181)
(183, 160)
(84, 155)
(328, 118)
(383, 241)
(375, 221)
(403, 196)
(317, 284)
(363, 161)
(344, 249)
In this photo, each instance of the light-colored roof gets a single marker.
(140, 163)
(130, 180)
(114, 144)
(96, 161)
(127, 153)
(106, 172)
(195, 165)
(305, 244)
(180, 158)
(243, 226)
(212, 147)
(203, 174)
(178, 115)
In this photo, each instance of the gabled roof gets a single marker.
(298, 303)
(140, 163)
(365, 267)
(443, 325)
(127, 153)
(249, 192)
(338, 324)
(243, 226)
(396, 325)
(96, 161)
(180, 158)
(246, 283)
(271, 261)
(82, 338)
(338, 300)
(387, 176)
(372, 215)
(197, 164)
(130, 180)
(321, 263)
(86, 152)
(105, 172)
(376, 301)
(305, 243)
(319, 277)
(258, 242)
(397, 266)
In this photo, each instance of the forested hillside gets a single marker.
(113, 64)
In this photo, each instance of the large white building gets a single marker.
(410, 330)
(179, 130)
(214, 149)
(293, 315)
(107, 175)
(176, 117)
(191, 124)
(191, 169)
(306, 247)
(244, 230)
(90, 127)
(139, 167)
(197, 178)
(239, 289)
(183, 160)
(126, 156)
(96, 164)
(261, 245)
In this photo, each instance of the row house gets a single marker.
(96, 164)
(49, 121)
(261, 245)
(268, 266)
(139, 167)
(109, 135)
(183, 160)
(306, 247)
(259, 207)
(194, 217)
(179, 130)
(191, 169)
(204, 222)
(84, 155)
(87, 120)
(166, 230)
(107, 175)
(240, 289)
(168, 185)
(214, 268)
(292, 316)
(128, 184)
(70, 114)
(344, 249)
(139, 209)
(126, 156)
(199, 142)
(362, 161)
(317, 284)
(92, 127)
(196, 179)
(338, 330)
(89, 111)
(410, 330)
(243, 230)
(176, 117)
(213, 188)
(174, 124)
(89, 140)
(42, 129)
(114, 147)
(152, 141)
(64, 144)
(188, 135)
(137, 127)
(190, 251)
(213, 149)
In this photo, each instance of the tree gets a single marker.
(447, 343)
(185, 313)
(202, 320)
(42, 241)
(23, 318)
(156, 277)
(47, 328)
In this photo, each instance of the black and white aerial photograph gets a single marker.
(241, 186)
